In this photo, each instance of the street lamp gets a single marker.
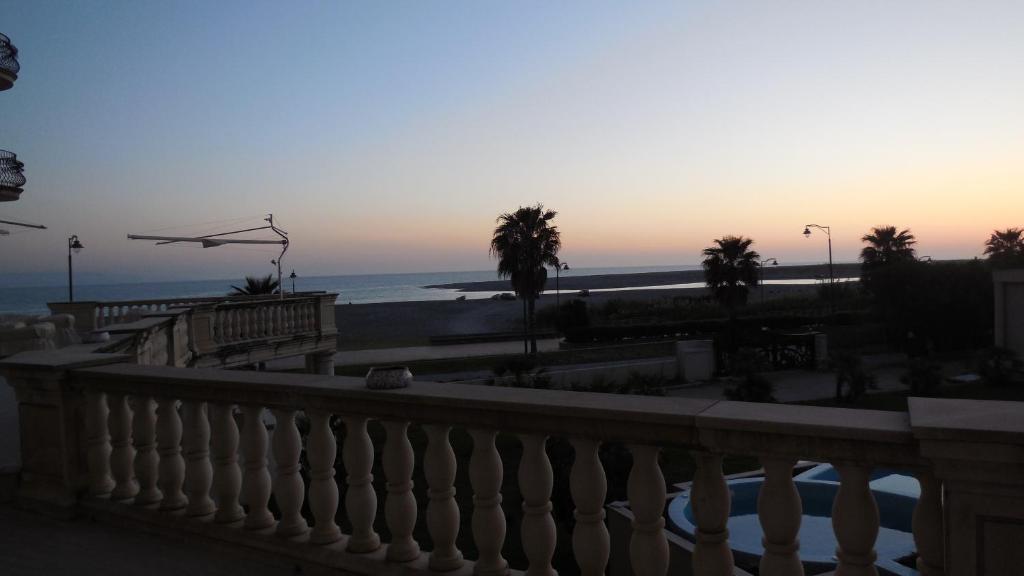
(761, 270)
(292, 276)
(559, 266)
(831, 277)
(73, 246)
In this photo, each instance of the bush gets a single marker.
(573, 314)
(923, 377)
(752, 386)
(999, 366)
(852, 379)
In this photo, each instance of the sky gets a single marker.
(388, 136)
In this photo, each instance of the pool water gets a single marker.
(896, 495)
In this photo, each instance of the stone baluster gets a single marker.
(322, 450)
(98, 442)
(780, 510)
(538, 527)
(146, 459)
(360, 499)
(256, 479)
(227, 476)
(271, 320)
(198, 470)
(400, 506)
(855, 522)
(485, 475)
(590, 541)
(927, 526)
(122, 454)
(288, 487)
(710, 501)
(439, 467)
(648, 548)
(168, 445)
(218, 327)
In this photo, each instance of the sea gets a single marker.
(355, 289)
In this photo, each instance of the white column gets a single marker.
(855, 522)
(590, 540)
(485, 474)
(289, 491)
(322, 450)
(227, 476)
(198, 470)
(360, 499)
(256, 479)
(780, 511)
(710, 500)
(648, 548)
(98, 442)
(442, 511)
(146, 459)
(400, 506)
(927, 526)
(122, 454)
(538, 527)
(168, 445)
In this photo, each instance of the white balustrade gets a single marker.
(256, 478)
(98, 442)
(400, 506)
(442, 512)
(360, 499)
(538, 528)
(590, 541)
(322, 450)
(122, 455)
(198, 470)
(648, 548)
(146, 458)
(288, 487)
(779, 510)
(168, 445)
(485, 475)
(855, 522)
(927, 526)
(710, 501)
(227, 476)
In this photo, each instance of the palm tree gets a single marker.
(525, 242)
(1006, 247)
(730, 270)
(256, 286)
(885, 247)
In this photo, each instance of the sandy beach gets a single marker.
(568, 282)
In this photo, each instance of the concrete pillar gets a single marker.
(695, 359)
(320, 363)
(821, 351)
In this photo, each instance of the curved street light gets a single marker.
(760, 270)
(831, 276)
(559, 266)
(293, 277)
(74, 245)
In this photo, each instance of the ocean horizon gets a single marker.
(354, 288)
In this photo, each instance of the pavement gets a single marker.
(799, 385)
(384, 356)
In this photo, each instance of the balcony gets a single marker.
(9, 66)
(211, 332)
(188, 453)
(11, 176)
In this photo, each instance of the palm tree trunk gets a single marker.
(526, 330)
(533, 333)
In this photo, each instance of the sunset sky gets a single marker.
(387, 136)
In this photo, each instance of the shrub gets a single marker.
(999, 366)
(852, 379)
(923, 376)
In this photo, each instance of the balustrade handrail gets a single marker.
(598, 416)
(200, 299)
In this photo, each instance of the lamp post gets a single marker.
(73, 246)
(292, 276)
(761, 270)
(831, 277)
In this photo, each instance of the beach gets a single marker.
(389, 324)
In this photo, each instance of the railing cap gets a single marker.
(49, 360)
(991, 421)
(811, 421)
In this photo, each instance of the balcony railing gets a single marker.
(187, 450)
(9, 66)
(11, 176)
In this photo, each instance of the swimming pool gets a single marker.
(896, 495)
